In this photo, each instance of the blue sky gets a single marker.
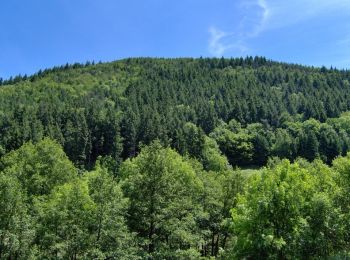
(37, 34)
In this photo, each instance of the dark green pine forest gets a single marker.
(144, 158)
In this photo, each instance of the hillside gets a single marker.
(111, 108)
(176, 159)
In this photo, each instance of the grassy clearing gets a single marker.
(250, 170)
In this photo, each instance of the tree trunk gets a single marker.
(212, 244)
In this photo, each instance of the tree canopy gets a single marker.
(203, 158)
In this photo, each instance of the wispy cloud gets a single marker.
(221, 41)
(259, 16)
(216, 46)
(255, 15)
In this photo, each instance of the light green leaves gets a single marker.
(288, 211)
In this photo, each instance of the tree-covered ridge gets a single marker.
(111, 108)
(136, 159)
(161, 205)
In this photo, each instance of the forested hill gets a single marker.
(136, 159)
(253, 108)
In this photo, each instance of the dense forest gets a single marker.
(175, 159)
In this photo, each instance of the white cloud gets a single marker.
(255, 15)
(216, 47)
(259, 16)
(221, 41)
(265, 13)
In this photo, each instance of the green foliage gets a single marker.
(110, 109)
(174, 207)
(284, 144)
(164, 209)
(65, 219)
(238, 147)
(16, 225)
(48, 211)
(193, 140)
(218, 198)
(105, 189)
(110, 233)
(342, 165)
(289, 211)
(212, 158)
(85, 219)
(38, 167)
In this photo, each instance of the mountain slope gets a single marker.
(110, 108)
